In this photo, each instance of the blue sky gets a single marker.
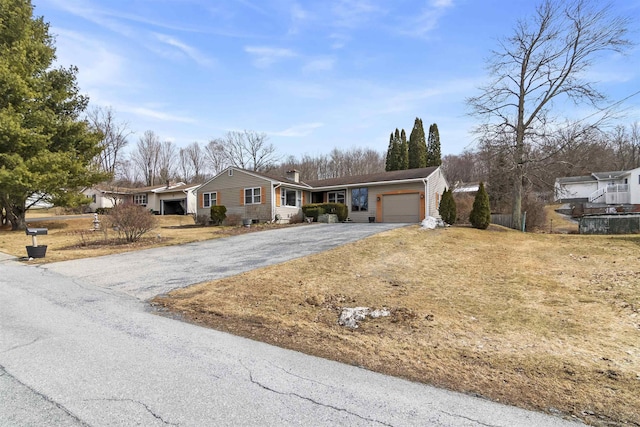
(313, 75)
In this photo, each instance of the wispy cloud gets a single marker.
(155, 114)
(94, 14)
(304, 129)
(353, 13)
(187, 50)
(427, 20)
(298, 17)
(319, 64)
(265, 56)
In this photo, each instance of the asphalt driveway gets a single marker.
(145, 274)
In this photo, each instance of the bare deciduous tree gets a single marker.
(167, 161)
(544, 60)
(216, 156)
(338, 163)
(248, 150)
(114, 138)
(192, 163)
(147, 156)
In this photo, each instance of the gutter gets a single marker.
(426, 197)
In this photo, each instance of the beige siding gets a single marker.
(437, 185)
(376, 191)
(287, 212)
(229, 190)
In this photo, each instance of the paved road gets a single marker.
(74, 353)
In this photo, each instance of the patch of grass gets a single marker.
(543, 321)
(75, 238)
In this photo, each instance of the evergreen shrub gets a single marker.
(316, 209)
(218, 214)
(480, 216)
(447, 208)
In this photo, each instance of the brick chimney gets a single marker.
(293, 175)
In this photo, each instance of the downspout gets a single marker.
(426, 197)
(273, 201)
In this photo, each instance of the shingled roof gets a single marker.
(402, 175)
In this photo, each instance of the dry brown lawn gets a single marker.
(74, 238)
(543, 321)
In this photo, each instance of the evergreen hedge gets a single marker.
(316, 209)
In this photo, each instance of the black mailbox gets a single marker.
(36, 231)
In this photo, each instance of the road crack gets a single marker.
(144, 405)
(308, 399)
(4, 372)
(469, 419)
(15, 347)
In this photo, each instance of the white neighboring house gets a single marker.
(168, 199)
(611, 188)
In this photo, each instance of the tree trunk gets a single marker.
(16, 216)
(516, 208)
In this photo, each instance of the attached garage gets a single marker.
(173, 207)
(401, 208)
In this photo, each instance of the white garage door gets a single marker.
(401, 208)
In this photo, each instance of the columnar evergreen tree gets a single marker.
(434, 157)
(46, 151)
(417, 146)
(403, 153)
(391, 163)
(480, 216)
(447, 208)
(398, 151)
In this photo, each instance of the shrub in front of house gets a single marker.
(339, 209)
(132, 221)
(313, 211)
(103, 211)
(233, 220)
(447, 208)
(218, 214)
(201, 219)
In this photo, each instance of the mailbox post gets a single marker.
(35, 251)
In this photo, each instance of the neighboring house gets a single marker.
(168, 199)
(611, 188)
(466, 188)
(106, 196)
(398, 196)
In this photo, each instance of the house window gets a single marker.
(252, 196)
(290, 197)
(140, 199)
(93, 198)
(360, 199)
(209, 199)
(336, 197)
(230, 172)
